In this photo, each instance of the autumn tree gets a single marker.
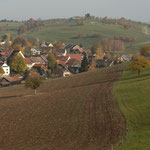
(1, 71)
(51, 62)
(93, 64)
(17, 64)
(22, 41)
(139, 63)
(17, 47)
(22, 29)
(145, 50)
(113, 45)
(33, 83)
(97, 49)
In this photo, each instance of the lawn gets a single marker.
(133, 94)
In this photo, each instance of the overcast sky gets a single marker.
(46, 9)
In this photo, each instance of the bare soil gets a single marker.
(74, 113)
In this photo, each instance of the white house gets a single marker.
(6, 69)
(66, 73)
(35, 51)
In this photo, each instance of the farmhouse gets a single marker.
(59, 72)
(7, 81)
(6, 68)
(35, 51)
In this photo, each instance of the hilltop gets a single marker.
(72, 31)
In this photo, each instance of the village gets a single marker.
(48, 60)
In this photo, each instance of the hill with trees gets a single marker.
(80, 30)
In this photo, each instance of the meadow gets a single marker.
(133, 96)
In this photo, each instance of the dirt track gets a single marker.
(78, 116)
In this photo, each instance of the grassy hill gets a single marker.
(73, 113)
(68, 32)
(133, 94)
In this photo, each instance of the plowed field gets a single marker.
(73, 113)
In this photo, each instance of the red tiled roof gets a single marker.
(75, 56)
(12, 79)
(27, 61)
(41, 66)
(63, 60)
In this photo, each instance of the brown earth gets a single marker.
(74, 113)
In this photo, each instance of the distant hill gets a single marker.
(87, 32)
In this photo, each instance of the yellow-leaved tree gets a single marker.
(139, 63)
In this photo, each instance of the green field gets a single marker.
(133, 93)
(68, 32)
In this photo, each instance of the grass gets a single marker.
(66, 32)
(133, 93)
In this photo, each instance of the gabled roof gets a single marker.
(63, 60)
(11, 79)
(60, 50)
(41, 66)
(37, 60)
(27, 61)
(75, 56)
(73, 62)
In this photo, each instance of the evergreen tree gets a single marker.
(84, 63)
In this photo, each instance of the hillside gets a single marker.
(77, 112)
(87, 34)
(133, 97)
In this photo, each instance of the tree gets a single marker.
(93, 64)
(1, 71)
(87, 16)
(139, 63)
(17, 47)
(51, 62)
(145, 50)
(22, 41)
(22, 29)
(97, 49)
(33, 83)
(84, 64)
(17, 64)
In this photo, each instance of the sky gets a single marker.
(137, 10)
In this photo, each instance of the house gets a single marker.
(6, 68)
(7, 81)
(4, 54)
(37, 60)
(73, 65)
(59, 72)
(60, 52)
(63, 60)
(50, 45)
(77, 49)
(29, 63)
(40, 68)
(35, 51)
(125, 58)
(75, 56)
(13, 53)
(101, 63)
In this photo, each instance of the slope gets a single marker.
(78, 113)
(133, 94)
